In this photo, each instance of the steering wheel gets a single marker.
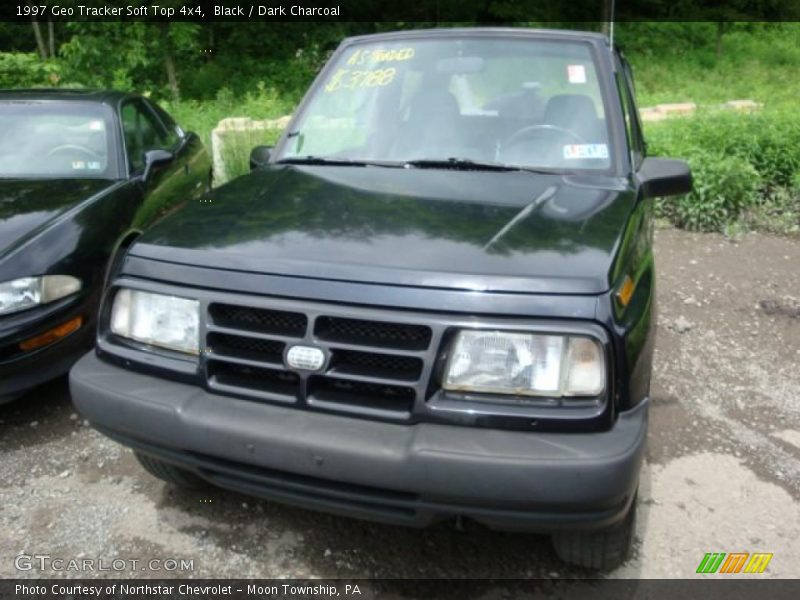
(535, 130)
(74, 148)
(519, 149)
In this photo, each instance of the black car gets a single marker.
(434, 298)
(82, 173)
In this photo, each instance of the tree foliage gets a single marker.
(194, 60)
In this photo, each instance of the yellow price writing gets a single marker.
(379, 55)
(335, 82)
(351, 80)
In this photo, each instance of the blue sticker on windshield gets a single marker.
(572, 151)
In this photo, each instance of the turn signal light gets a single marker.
(626, 291)
(55, 334)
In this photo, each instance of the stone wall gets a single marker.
(230, 129)
(682, 109)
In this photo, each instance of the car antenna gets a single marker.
(611, 25)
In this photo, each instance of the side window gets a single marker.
(174, 132)
(142, 132)
(632, 123)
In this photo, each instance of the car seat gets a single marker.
(577, 113)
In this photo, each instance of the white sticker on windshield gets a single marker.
(94, 166)
(572, 151)
(78, 165)
(576, 73)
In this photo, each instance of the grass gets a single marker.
(758, 64)
(236, 150)
(202, 116)
(746, 169)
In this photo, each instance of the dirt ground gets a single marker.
(722, 471)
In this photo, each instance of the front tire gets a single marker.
(170, 473)
(601, 550)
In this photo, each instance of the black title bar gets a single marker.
(362, 589)
(428, 11)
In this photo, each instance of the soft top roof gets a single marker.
(63, 94)
(518, 32)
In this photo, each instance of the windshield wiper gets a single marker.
(461, 164)
(320, 160)
(458, 164)
(466, 164)
(335, 162)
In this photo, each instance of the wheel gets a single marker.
(170, 473)
(603, 550)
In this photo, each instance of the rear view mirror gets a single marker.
(153, 158)
(664, 177)
(259, 157)
(460, 65)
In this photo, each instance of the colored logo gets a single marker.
(734, 562)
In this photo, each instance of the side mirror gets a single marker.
(259, 157)
(664, 177)
(153, 158)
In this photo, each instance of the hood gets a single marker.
(28, 206)
(472, 230)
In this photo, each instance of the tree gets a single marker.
(37, 32)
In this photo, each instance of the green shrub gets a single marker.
(745, 166)
(26, 70)
(724, 187)
(778, 212)
(768, 140)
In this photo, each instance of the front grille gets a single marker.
(373, 367)
(278, 322)
(373, 364)
(372, 396)
(269, 381)
(373, 333)
(237, 346)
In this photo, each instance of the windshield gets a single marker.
(53, 139)
(526, 103)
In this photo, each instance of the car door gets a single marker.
(189, 150)
(638, 263)
(169, 183)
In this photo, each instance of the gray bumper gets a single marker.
(406, 474)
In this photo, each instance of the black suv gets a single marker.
(433, 298)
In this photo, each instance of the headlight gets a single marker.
(157, 319)
(28, 292)
(525, 364)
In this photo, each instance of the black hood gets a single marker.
(28, 206)
(474, 230)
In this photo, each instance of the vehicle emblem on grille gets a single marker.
(305, 357)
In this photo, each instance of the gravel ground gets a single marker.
(722, 471)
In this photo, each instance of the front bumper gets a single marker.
(404, 474)
(21, 371)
